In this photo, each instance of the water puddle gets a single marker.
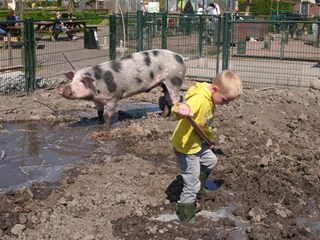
(238, 232)
(38, 152)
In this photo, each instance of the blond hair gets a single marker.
(228, 82)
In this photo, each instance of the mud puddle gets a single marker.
(37, 152)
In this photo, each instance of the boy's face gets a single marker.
(219, 97)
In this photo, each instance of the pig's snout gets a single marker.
(60, 90)
(65, 91)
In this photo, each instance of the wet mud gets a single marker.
(268, 184)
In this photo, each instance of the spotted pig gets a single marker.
(106, 83)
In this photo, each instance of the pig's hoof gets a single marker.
(166, 111)
(162, 103)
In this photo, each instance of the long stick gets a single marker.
(199, 131)
(205, 137)
(68, 61)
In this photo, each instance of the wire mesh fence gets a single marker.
(54, 54)
(263, 52)
(268, 55)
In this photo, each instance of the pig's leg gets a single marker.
(173, 87)
(165, 102)
(171, 90)
(100, 108)
(111, 105)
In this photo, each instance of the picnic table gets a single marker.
(13, 35)
(47, 27)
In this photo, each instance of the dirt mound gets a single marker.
(270, 181)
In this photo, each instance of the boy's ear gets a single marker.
(215, 89)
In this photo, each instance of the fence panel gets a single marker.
(263, 52)
(54, 58)
(193, 36)
(265, 55)
(12, 61)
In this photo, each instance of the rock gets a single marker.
(153, 229)
(144, 174)
(269, 142)
(17, 229)
(315, 84)
(254, 120)
(264, 161)
(257, 214)
(139, 213)
(44, 216)
(222, 139)
(23, 219)
(88, 237)
(282, 211)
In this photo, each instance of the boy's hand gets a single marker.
(212, 147)
(183, 110)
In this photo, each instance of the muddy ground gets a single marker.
(269, 182)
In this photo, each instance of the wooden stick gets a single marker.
(199, 131)
(36, 100)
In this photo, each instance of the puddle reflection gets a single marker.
(38, 152)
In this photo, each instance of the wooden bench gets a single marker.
(53, 33)
(13, 36)
(46, 27)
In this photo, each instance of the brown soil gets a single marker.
(270, 176)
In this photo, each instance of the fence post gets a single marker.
(139, 31)
(30, 56)
(112, 43)
(201, 32)
(226, 40)
(126, 27)
(164, 29)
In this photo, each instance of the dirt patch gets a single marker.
(270, 181)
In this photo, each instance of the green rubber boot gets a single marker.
(203, 192)
(187, 212)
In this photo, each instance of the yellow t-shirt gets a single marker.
(185, 139)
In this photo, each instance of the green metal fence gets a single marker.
(268, 55)
(264, 52)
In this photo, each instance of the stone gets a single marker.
(315, 84)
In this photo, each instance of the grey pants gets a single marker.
(190, 166)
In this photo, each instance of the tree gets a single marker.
(71, 7)
(247, 4)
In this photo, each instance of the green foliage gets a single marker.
(265, 7)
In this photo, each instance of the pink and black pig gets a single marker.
(106, 83)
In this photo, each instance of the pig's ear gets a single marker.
(87, 81)
(69, 75)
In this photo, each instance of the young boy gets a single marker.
(195, 158)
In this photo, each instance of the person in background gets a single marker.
(200, 9)
(213, 9)
(145, 7)
(3, 30)
(315, 27)
(58, 25)
(188, 8)
(12, 18)
(196, 159)
(217, 8)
